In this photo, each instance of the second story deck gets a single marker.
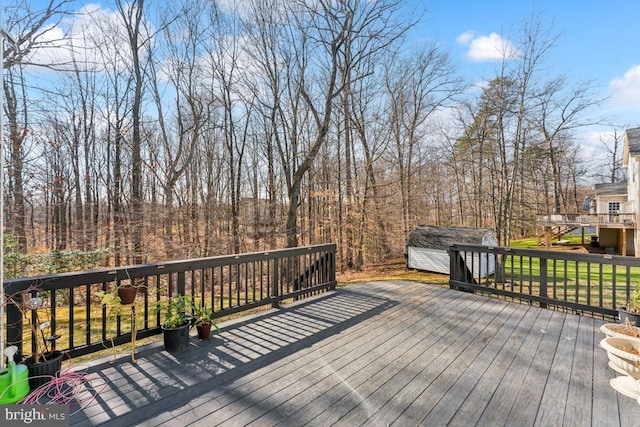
(602, 220)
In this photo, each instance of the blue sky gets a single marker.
(597, 40)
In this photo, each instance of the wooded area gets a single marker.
(167, 130)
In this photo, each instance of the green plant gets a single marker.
(202, 316)
(19, 264)
(113, 304)
(633, 303)
(174, 311)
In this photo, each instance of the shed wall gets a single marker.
(438, 261)
(428, 259)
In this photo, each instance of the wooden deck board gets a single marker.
(554, 397)
(524, 412)
(382, 353)
(527, 338)
(439, 371)
(401, 361)
(356, 361)
(579, 392)
(481, 396)
(471, 367)
(396, 330)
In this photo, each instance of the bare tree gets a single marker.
(176, 141)
(29, 28)
(561, 109)
(613, 153)
(416, 87)
(346, 33)
(132, 17)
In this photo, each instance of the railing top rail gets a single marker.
(70, 279)
(559, 255)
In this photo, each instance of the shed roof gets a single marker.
(439, 237)
(608, 189)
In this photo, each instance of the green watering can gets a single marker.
(14, 381)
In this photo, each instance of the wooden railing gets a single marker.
(591, 283)
(587, 219)
(227, 284)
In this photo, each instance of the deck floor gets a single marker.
(374, 354)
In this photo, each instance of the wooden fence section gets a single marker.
(227, 284)
(582, 283)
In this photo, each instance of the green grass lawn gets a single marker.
(534, 242)
(571, 280)
(91, 325)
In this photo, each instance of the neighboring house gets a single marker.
(615, 218)
(615, 211)
(427, 248)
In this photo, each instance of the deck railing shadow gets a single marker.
(244, 347)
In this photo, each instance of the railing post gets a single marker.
(332, 265)
(453, 270)
(274, 283)
(181, 283)
(543, 281)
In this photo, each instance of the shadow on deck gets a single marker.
(379, 353)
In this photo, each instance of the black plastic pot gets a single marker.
(624, 315)
(176, 339)
(43, 372)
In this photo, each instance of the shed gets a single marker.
(427, 248)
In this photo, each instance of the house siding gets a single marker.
(633, 196)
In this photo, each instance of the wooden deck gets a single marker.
(374, 354)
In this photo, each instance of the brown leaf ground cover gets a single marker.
(393, 269)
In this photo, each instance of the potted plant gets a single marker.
(176, 325)
(45, 362)
(632, 310)
(112, 302)
(625, 330)
(202, 320)
(624, 358)
(127, 292)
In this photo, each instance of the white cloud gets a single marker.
(480, 84)
(596, 138)
(626, 90)
(94, 37)
(466, 37)
(487, 48)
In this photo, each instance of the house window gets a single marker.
(614, 207)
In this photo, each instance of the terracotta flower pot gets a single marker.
(204, 330)
(127, 294)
